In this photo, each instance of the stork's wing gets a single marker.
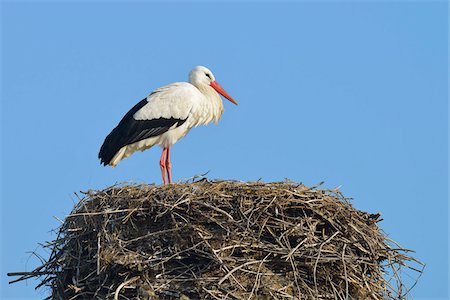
(165, 108)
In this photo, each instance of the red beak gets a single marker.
(221, 91)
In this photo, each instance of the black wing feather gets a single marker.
(130, 131)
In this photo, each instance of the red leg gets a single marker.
(169, 165)
(162, 164)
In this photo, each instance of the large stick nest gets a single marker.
(222, 240)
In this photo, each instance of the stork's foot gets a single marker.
(162, 164)
(168, 165)
(169, 173)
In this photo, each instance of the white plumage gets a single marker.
(164, 117)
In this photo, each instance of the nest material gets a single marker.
(222, 240)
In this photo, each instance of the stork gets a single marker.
(164, 117)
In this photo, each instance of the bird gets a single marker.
(165, 116)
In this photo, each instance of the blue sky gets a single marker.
(350, 93)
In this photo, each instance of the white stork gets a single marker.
(164, 117)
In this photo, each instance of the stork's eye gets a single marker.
(207, 75)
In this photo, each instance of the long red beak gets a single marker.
(215, 85)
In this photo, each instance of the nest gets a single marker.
(222, 240)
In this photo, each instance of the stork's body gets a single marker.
(164, 117)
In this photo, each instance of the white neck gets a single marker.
(212, 106)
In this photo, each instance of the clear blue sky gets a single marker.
(353, 94)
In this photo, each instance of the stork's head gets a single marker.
(203, 76)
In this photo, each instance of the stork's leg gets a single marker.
(169, 165)
(162, 164)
